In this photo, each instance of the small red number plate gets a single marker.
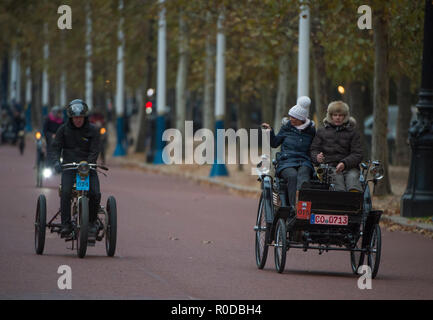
(304, 210)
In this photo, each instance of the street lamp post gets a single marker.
(304, 51)
(219, 168)
(161, 85)
(417, 201)
(120, 145)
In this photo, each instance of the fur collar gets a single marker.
(286, 121)
(348, 122)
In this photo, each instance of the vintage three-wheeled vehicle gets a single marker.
(322, 219)
(81, 237)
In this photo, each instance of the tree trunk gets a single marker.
(355, 97)
(208, 107)
(267, 108)
(381, 96)
(283, 88)
(89, 55)
(182, 72)
(402, 149)
(37, 105)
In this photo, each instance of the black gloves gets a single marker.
(57, 167)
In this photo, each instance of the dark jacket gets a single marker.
(77, 144)
(295, 146)
(338, 144)
(51, 125)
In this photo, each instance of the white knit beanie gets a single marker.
(300, 110)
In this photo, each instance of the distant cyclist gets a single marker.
(51, 124)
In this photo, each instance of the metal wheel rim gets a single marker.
(260, 233)
(37, 227)
(280, 246)
(357, 257)
(374, 252)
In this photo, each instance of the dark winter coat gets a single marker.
(51, 125)
(295, 146)
(338, 144)
(77, 144)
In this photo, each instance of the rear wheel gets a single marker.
(280, 251)
(262, 235)
(375, 251)
(40, 224)
(82, 227)
(111, 227)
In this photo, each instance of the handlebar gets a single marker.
(74, 165)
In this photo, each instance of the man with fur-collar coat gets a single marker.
(338, 144)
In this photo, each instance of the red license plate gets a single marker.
(329, 219)
(303, 210)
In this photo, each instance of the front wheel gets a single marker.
(82, 227)
(262, 230)
(374, 251)
(280, 245)
(40, 224)
(21, 146)
(39, 167)
(111, 227)
(357, 257)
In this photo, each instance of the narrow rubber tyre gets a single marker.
(280, 245)
(261, 236)
(21, 147)
(39, 168)
(40, 224)
(111, 227)
(83, 226)
(357, 257)
(374, 252)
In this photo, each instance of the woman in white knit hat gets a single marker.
(295, 137)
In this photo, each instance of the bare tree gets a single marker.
(208, 107)
(381, 95)
(182, 73)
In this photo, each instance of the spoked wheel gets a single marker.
(357, 257)
(21, 146)
(280, 245)
(374, 251)
(39, 168)
(262, 235)
(40, 224)
(82, 227)
(111, 227)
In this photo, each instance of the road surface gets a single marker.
(181, 240)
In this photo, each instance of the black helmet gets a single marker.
(77, 108)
